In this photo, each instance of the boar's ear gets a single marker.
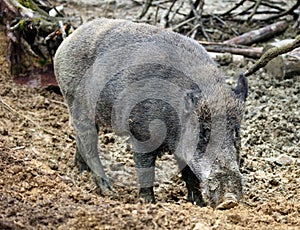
(192, 98)
(241, 90)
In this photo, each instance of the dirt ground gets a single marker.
(40, 187)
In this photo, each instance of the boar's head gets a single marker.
(217, 158)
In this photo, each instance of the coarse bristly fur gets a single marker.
(104, 58)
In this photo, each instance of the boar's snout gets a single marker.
(223, 189)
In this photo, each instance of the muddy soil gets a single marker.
(40, 187)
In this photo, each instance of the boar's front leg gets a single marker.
(145, 168)
(192, 185)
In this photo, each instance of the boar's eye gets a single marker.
(204, 136)
(205, 132)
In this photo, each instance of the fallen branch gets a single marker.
(226, 58)
(271, 54)
(246, 51)
(259, 34)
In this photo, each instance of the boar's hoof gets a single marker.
(80, 163)
(228, 202)
(82, 166)
(195, 197)
(104, 185)
(147, 194)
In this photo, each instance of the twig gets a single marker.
(18, 148)
(8, 107)
(177, 10)
(218, 19)
(234, 8)
(297, 23)
(289, 11)
(62, 28)
(156, 15)
(246, 10)
(255, 5)
(183, 23)
(261, 12)
(58, 102)
(165, 16)
(198, 21)
(254, 10)
(198, 16)
(147, 5)
(269, 4)
(193, 31)
(160, 2)
(166, 8)
(194, 5)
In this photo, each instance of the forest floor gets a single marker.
(40, 187)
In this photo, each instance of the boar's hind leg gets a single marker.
(79, 161)
(87, 152)
(145, 168)
(193, 186)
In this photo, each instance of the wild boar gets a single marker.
(164, 91)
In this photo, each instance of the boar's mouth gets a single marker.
(229, 201)
(223, 188)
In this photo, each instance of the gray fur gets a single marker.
(162, 90)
